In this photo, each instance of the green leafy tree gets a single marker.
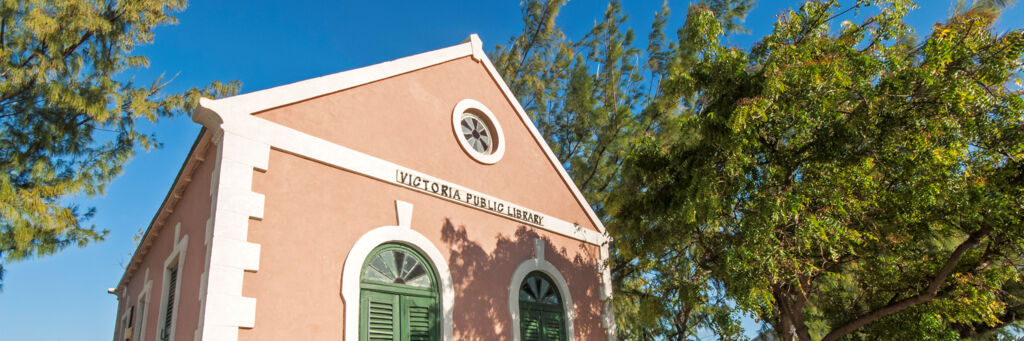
(846, 181)
(67, 122)
(594, 97)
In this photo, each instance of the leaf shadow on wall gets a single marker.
(482, 281)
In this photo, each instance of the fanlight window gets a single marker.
(398, 297)
(397, 267)
(537, 289)
(541, 314)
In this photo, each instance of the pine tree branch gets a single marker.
(533, 37)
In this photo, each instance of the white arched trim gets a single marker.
(479, 109)
(403, 234)
(539, 264)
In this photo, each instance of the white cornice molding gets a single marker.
(192, 162)
(477, 46)
(258, 101)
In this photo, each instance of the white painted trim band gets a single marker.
(269, 133)
(257, 101)
(229, 254)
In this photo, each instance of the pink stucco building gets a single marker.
(408, 200)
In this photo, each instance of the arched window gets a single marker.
(398, 296)
(542, 315)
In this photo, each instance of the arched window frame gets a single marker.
(481, 111)
(538, 264)
(399, 234)
(377, 285)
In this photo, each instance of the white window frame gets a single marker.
(141, 310)
(402, 234)
(539, 264)
(177, 258)
(122, 322)
(479, 110)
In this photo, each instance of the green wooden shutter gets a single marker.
(554, 326)
(530, 327)
(419, 319)
(541, 315)
(539, 323)
(398, 297)
(378, 316)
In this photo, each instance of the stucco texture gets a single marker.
(314, 213)
(406, 119)
(192, 211)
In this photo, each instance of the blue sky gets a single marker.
(265, 44)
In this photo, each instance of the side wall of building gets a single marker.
(184, 230)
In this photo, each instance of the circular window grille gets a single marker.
(477, 131)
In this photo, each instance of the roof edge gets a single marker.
(181, 181)
(518, 108)
(258, 101)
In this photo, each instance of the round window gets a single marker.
(478, 131)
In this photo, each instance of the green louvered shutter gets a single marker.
(398, 296)
(418, 317)
(541, 315)
(378, 317)
(554, 326)
(530, 327)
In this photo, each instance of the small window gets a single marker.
(172, 288)
(126, 323)
(139, 326)
(541, 313)
(477, 131)
(173, 268)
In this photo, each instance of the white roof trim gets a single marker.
(254, 102)
(258, 101)
(540, 140)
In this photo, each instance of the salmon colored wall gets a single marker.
(313, 215)
(192, 211)
(406, 119)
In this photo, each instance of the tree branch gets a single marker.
(931, 293)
